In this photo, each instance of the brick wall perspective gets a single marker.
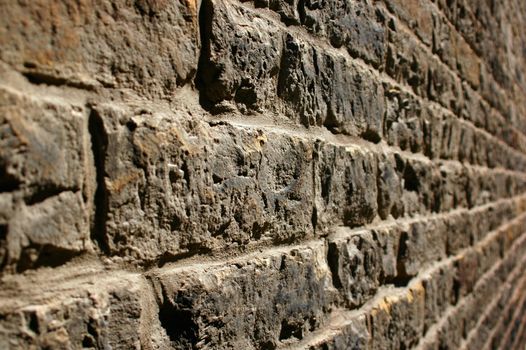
(262, 174)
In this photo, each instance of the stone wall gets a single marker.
(266, 174)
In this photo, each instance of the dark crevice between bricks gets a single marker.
(45, 192)
(371, 136)
(3, 246)
(456, 291)
(8, 183)
(301, 11)
(178, 321)
(99, 144)
(245, 94)
(205, 70)
(290, 330)
(40, 78)
(289, 58)
(315, 160)
(35, 256)
(332, 260)
(92, 336)
(380, 199)
(402, 278)
(32, 322)
(314, 219)
(145, 9)
(411, 182)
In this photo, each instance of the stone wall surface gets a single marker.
(262, 174)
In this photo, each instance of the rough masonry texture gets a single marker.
(262, 174)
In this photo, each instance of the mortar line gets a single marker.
(355, 142)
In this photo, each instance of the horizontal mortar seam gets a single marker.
(371, 147)
(277, 250)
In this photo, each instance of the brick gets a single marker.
(98, 315)
(354, 26)
(439, 294)
(103, 44)
(356, 267)
(421, 242)
(213, 175)
(326, 89)
(388, 240)
(346, 180)
(241, 58)
(45, 167)
(417, 14)
(44, 144)
(398, 320)
(389, 189)
(406, 119)
(253, 303)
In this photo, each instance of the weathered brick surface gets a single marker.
(45, 203)
(264, 174)
(248, 304)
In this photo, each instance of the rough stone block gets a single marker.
(242, 53)
(398, 320)
(439, 294)
(355, 26)
(173, 187)
(346, 185)
(356, 265)
(421, 243)
(326, 89)
(102, 317)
